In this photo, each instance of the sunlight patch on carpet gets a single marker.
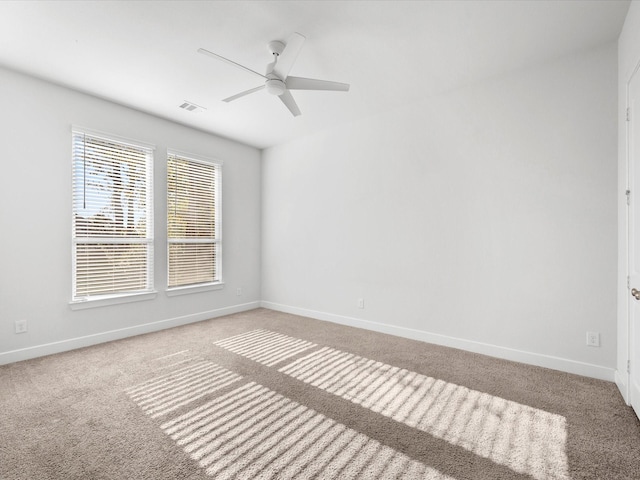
(525, 439)
(181, 386)
(254, 432)
(264, 346)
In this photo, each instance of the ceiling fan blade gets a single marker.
(242, 94)
(230, 62)
(288, 56)
(299, 83)
(290, 103)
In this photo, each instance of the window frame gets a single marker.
(218, 282)
(114, 297)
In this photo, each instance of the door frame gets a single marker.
(624, 376)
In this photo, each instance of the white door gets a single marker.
(633, 145)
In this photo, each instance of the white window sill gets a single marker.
(171, 292)
(111, 300)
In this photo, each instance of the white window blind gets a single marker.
(193, 221)
(112, 217)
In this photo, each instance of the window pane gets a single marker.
(109, 188)
(110, 268)
(191, 263)
(191, 199)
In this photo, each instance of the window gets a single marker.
(112, 217)
(193, 221)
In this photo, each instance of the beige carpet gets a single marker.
(269, 395)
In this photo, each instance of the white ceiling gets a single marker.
(144, 53)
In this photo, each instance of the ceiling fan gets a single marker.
(277, 80)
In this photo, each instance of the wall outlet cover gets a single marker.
(593, 339)
(21, 326)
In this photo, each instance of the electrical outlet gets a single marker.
(21, 326)
(361, 303)
(238, 291)
(593, 339)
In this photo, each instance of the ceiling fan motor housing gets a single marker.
(275, 86)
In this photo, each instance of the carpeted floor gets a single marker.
(264, 394)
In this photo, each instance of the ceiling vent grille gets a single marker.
(191, 107)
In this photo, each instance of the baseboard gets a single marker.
(556, 363)
(86, 341)
(540, 360)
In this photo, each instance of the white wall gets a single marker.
(484, 218)
(35, 218)
(628, 58)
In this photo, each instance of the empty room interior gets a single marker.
(320, 240)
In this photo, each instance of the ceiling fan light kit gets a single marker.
(275, 86)
(276, 79)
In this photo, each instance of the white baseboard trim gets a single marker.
(537, 359)
(88, 340)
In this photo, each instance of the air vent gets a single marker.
(191, 107)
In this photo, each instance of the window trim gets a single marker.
(200, 287)
(105, 300)
(77, 303)
(217, 241)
